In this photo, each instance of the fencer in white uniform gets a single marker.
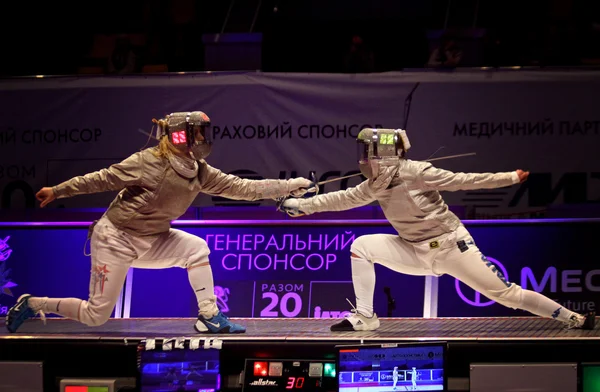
(431, 240)
(395, 377)
(413, 378)
(156, 186)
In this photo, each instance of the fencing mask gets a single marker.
(188, 131)
(380, 147)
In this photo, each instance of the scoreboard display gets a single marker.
(289, 375)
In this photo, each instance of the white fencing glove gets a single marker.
(291, 207)
(298, 187)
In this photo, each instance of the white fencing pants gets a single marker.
(114, 251)
(439, 256)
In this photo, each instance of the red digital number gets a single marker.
(290, 383)
(295, 383)
(179, 137)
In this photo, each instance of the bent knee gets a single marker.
(197, 264)
(94, 317)
(198, 259)
(359, 247)
(511, 296)
(201, 242)
(96, 322)
(199, 255)
(199, 245)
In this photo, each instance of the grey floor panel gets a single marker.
(501, 328)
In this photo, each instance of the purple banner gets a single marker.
(303, 270)
(43, 261)
(276, 271)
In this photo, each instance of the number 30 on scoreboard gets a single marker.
(295, 383)
(278, 375)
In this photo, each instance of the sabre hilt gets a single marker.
(293, 212)
(312, 190)
(279, 203)
(314, 185)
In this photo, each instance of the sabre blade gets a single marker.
(450, 156)
(338, 179)
(436, 151)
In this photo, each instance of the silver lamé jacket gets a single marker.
(413, 205)
(152, 194)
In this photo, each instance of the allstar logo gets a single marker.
(264, 383)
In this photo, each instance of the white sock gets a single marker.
(201, 279)
(543, 306)
(66, 307)
(363, 279)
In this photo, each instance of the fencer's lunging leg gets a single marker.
(177, 248)
(363, 280)
(472, 268)
(112, 254)
(387, 250)
(201, 279)
(391, 252)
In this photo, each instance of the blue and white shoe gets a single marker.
(20, 312)
(217, 324)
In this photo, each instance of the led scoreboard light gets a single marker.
(290, 375)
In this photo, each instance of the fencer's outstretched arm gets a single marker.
(216, 183)
(114, 178)
(348, 199)
(430, 177)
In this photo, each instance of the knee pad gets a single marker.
(198, 260)
(359, 247)
(200, 255)
(96, 322)
(93, 317)
(511, 297)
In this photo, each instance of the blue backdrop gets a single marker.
(304, 271)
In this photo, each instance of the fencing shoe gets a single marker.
(357, 322)
(580, 321)
(20, 312)
(219, 323)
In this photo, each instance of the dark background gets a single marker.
(298, 35)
